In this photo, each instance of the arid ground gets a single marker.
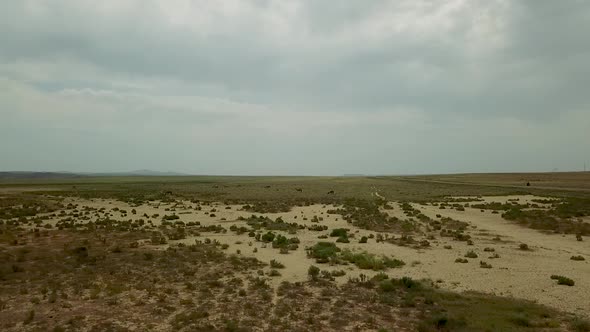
(466, 252)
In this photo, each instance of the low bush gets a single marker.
(339, 232)
(485, 265)
(323, 251)
(471, 254)
(343, 239)
(580, 325)
(276, 264)
(367, 261)
(561, 280)
(313, 272)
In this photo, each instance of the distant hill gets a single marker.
(68, 175)
(147, 172)
(38, 175)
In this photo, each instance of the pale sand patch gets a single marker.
(506, 199)
(522, 274)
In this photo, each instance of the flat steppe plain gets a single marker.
(89, 226)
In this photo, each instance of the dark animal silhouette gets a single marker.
(266, 186)
(331, 192)
(299, 190)
(528, 184)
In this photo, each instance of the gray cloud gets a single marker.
(303, 87)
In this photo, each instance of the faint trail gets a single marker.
(376, 193)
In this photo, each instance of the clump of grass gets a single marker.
(494, 256)
(367, 261)
(561, 280)
(461, 260)
(276, 264)
(338, 273)
(485, 265)
(30, 317)
(323, 251)
(577, 258)
(471, 254)
(313, 272)
(489, 249)
(339, 232)
(580, 325)
(523, 246)
(363, 239)
(343, 239)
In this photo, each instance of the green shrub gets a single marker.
(577, 258)
(363, 239)
(313, 272)
(268, 237)
(387, 286)
(523, 246)
(343, 239)
(471, 254)
(367, 261)
(561, 280)
(485, 265)
(339, 232)
(323, 251)
(276, 264)
(580, 325)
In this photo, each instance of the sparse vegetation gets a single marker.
(276, 264)
(485, 265)
(523, 246)
(561, 280)
(166, 271)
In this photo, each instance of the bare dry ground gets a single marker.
(288, 254)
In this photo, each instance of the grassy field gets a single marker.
(179, 262)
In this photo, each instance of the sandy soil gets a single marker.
(517, 273)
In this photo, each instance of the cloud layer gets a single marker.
(295, 87)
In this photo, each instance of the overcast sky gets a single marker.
(295, 87)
